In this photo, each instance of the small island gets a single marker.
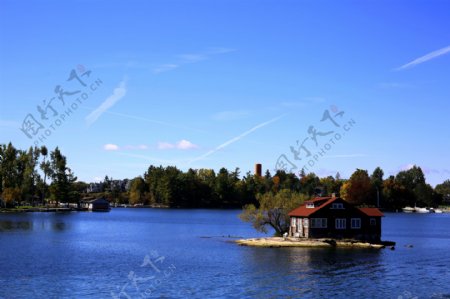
(320, 222)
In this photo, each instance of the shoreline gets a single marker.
(277, 242)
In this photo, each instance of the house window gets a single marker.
(305, 222)
(341, 223)
(337, 205)
(293, 221)
(356, 223)
(310, 205)
(373, 221)
(318, 222)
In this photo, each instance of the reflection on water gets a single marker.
(9, 225)
(59, 226)
(33, 221)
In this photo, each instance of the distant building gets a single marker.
(333, 217)
(114, 185)
(118, 185)
(94, 188)
(96, 205)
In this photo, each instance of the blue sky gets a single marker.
(210, 84)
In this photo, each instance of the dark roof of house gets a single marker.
(303, 211)
(372, 212)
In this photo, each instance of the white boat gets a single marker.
(437, 211)
(408, 210)
(416, 210)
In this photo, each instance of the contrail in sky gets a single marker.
(235, 139)
(425, 58)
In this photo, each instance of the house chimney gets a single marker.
(258, 169)
(333, 195)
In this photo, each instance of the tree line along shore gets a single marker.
(40, 177)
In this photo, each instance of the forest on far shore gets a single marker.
(38, 176)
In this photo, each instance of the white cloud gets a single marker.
(111, 147)
(186, 145)
(181, 145)
(192, 58)
(165, 145)
(235, 139)
(165, 68)
(428, 170)
(118, 93)
(407, 167)
(424, 58)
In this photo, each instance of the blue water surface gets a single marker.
(161, 253)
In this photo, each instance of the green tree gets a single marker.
(330, 185)
(272, 210)
(225, 188)
(45, 167)
(9, 168)
(62, 177)
(425, 196)
(377, 182)
(29, 176)
(395, 196)
(413, 180)
(444, 190)
(309, 184)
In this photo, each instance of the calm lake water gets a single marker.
(151, 253)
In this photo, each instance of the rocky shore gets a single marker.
(323, 243)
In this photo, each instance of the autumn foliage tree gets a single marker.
(358, 188)
(137, 191)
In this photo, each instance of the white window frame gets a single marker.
(293, 221)
(340, 223)
(373, 221)
(319, 222)
(355, 221)
(310, 205)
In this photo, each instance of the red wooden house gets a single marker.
(333, 217)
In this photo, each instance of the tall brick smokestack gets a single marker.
(258, 169)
